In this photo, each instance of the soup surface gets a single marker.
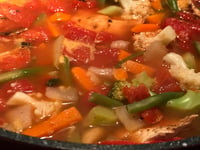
(100, 71)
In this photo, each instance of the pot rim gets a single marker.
(53, 144)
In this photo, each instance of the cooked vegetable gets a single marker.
(197, 46)
(7, 76)
(120, 74)
(81, 77)
(145, 28)
(117, 90)
(130, 122)
(128, 57)
(65, 71)
(101, 116)
(135, 68)
(187, 103)
(187, 77)
(62, 120)
(111, 10)
(172, 4)
(152, 101)
(143, 78)
(189, 60)
(104, 100)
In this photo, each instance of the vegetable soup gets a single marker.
(100, 71)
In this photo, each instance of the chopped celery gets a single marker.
(111, 10)
(101, 116)
(143, 78)
(189, 102)
(189, 60)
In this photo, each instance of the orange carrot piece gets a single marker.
(157, 4)
(63, 119)
(120, 74)
(59, 17)
(123, 54)
(55, 32)
(81, 77)
(156, 18)
(135, 68)
(145, 28)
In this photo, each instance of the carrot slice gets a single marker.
(145, 28)
(135, 68)
(123, 54)
(156, 18)
(55, 32)
(59, 17)
(157, 4)
(63, 119)
(120, 74)
(81, 77)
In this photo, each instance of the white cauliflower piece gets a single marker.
(136, 9)
(42, 108)
(187, 78)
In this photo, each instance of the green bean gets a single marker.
(152, 101)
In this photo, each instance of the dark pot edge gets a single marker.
(28, 142)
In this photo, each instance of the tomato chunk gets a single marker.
(15, 59)
(152, 116)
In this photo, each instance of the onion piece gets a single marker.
(120, 44)
(57, 50)
(104, 72)
(131, 123)
(62, 93)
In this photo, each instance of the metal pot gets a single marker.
(11, 140)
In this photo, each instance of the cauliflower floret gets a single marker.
(143, 40)
(136, 9)
(42, 108)
(188, 78)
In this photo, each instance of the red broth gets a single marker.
(101, 72)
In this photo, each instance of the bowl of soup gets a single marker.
(96, 74)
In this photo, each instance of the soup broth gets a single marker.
(100, 72)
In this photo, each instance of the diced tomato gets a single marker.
(59, 6)
(10, 88)
(165, 82)
(84, 4)
(105, 57)
(152, 116)
(187, 33)
(103, 37)
(117, 142)
(74, 32)
(133, 94)
(36, 35)
(15, 59)
(80, 55)
(18, 17)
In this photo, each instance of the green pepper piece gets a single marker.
(189, 102)
(152, 101)
(11, 75)
(101, 116)
(104, 100)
